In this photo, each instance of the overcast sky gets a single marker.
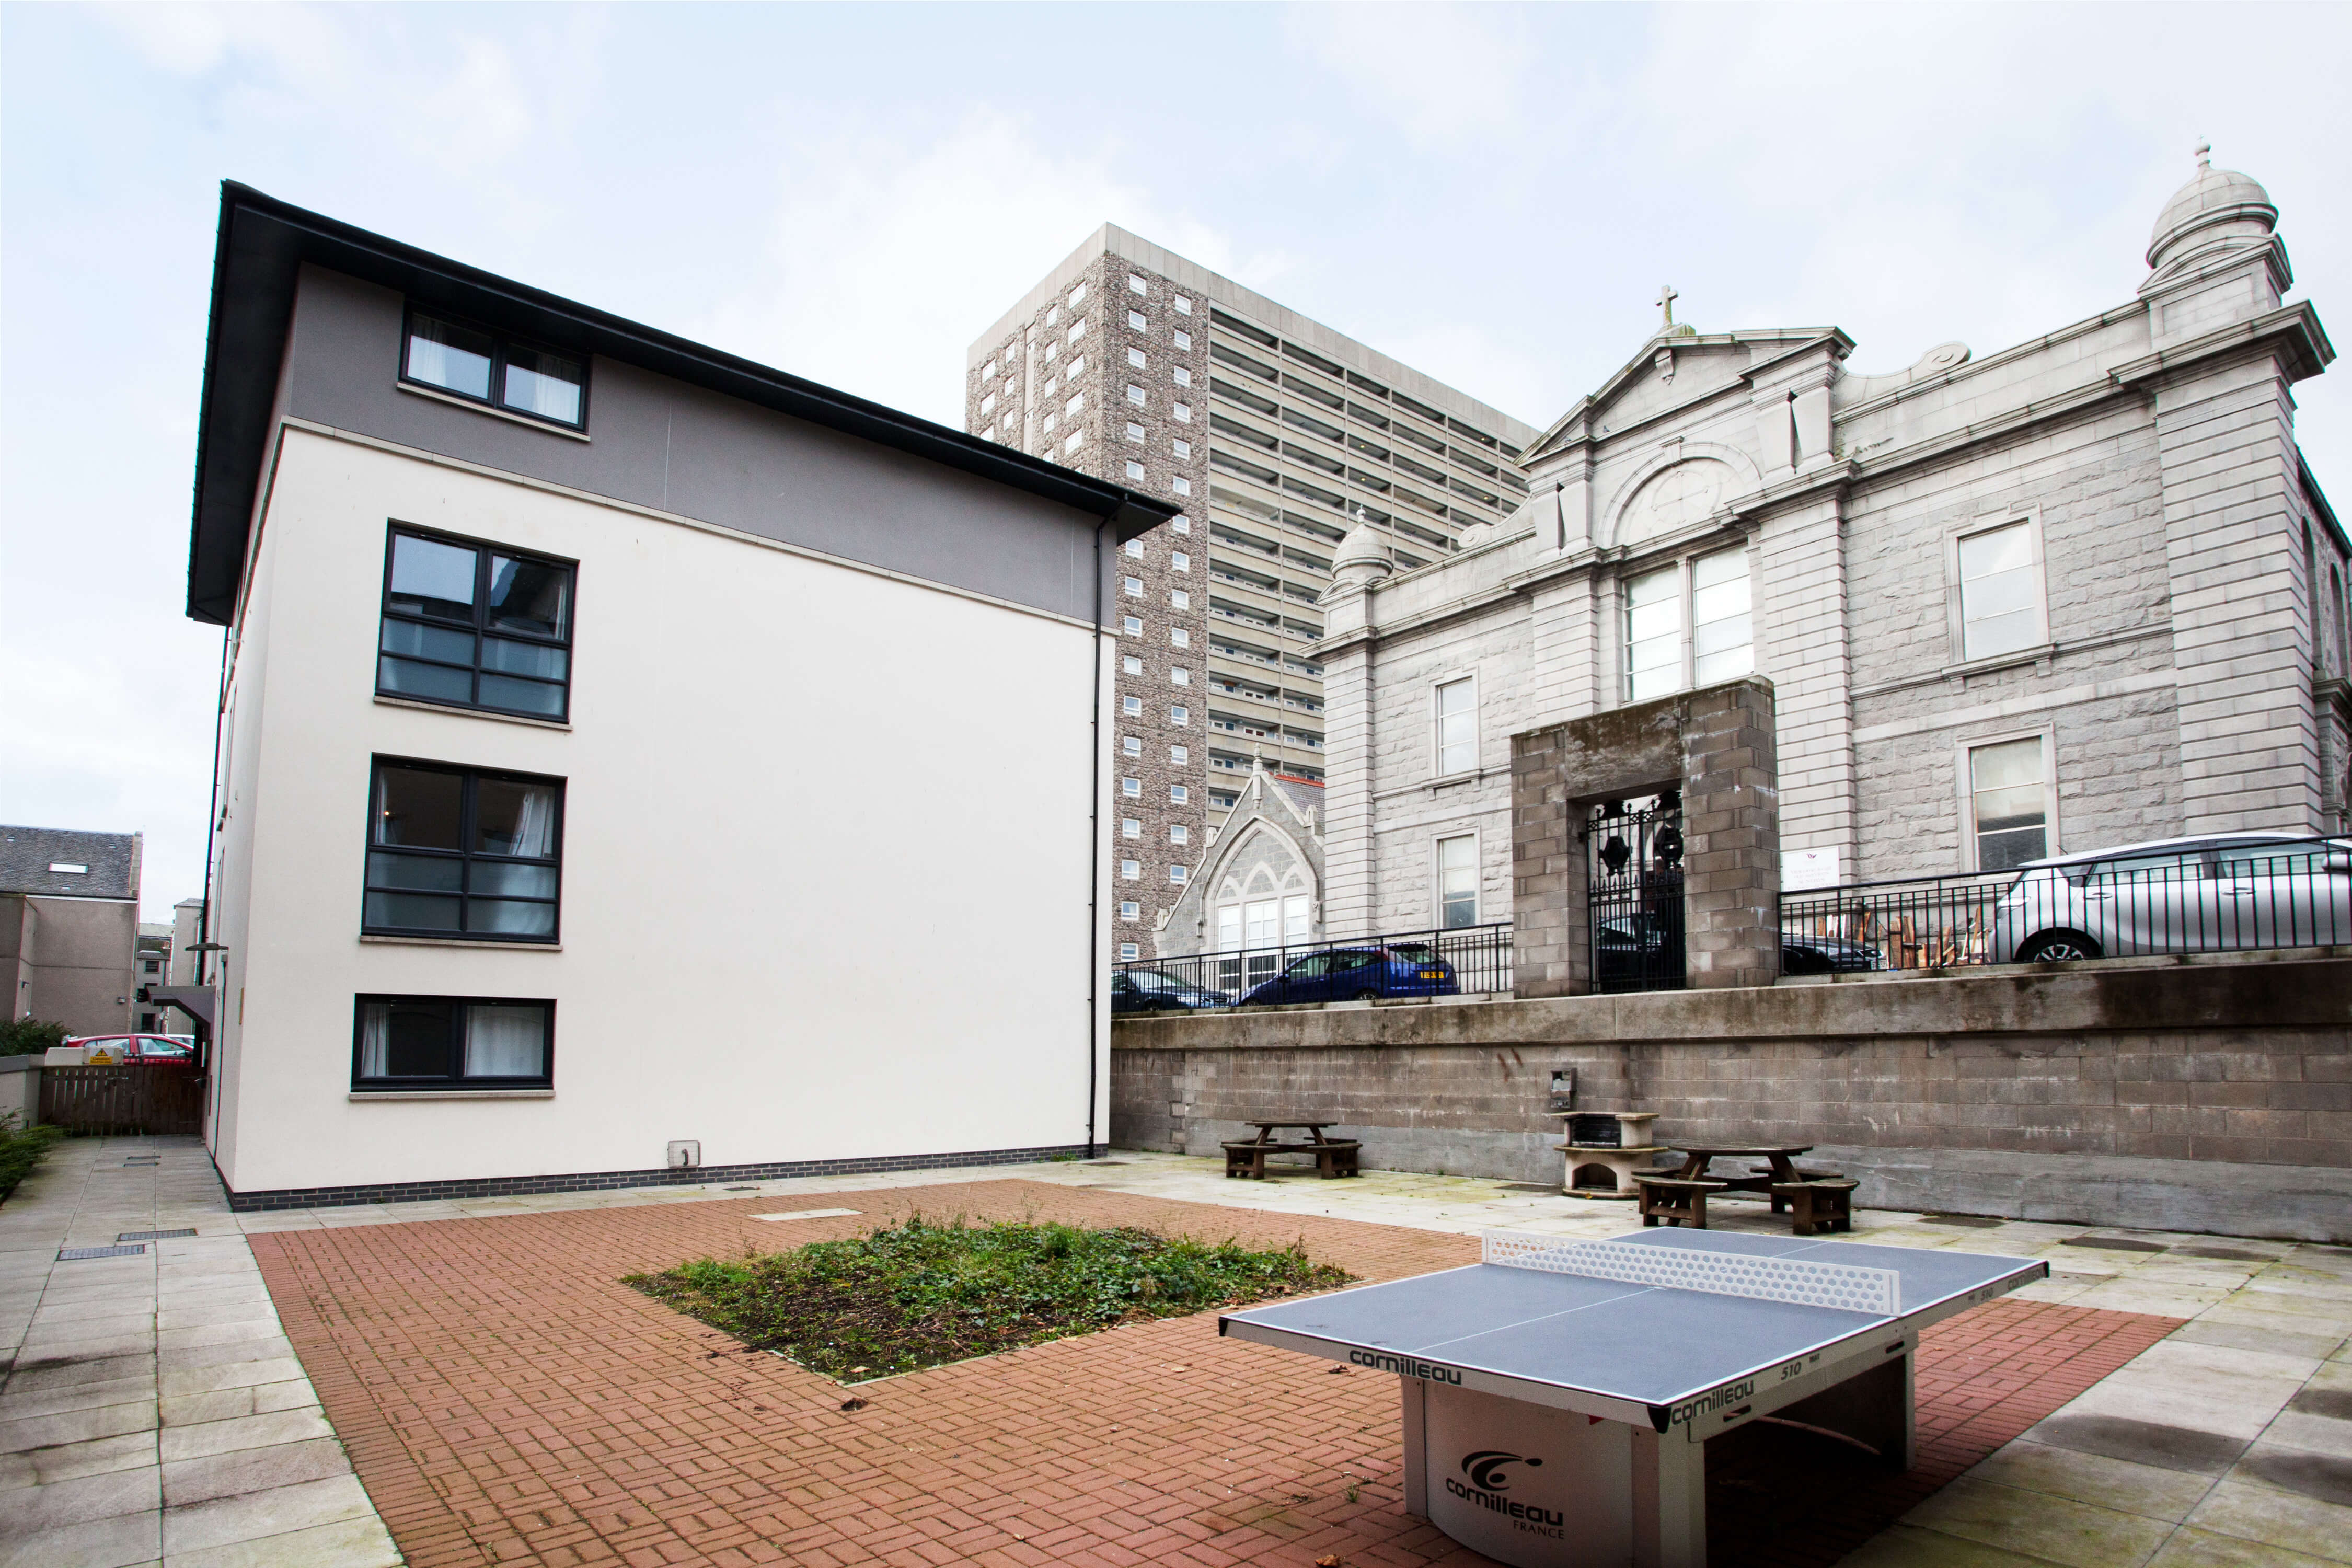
(1491, 194)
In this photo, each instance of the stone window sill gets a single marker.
(358, 1094)
(461, 942)
(1999, 662)
(454, 713)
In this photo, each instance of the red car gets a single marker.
(137, 1048)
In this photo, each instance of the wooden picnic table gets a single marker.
(1333, 1156)
(1783, 1159)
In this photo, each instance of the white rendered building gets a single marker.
(552, 642)
(2079, 593)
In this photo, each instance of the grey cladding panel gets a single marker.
(662, 443)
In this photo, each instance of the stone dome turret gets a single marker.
(1362, 556)
(2216, 203)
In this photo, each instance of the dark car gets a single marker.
(1826, 955)
(1637, 951)
(1155, 991)
(1361, 975)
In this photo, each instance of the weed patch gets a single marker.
(923, 1293)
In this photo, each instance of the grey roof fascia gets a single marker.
(261, 247)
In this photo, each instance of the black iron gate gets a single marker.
(1634, 892)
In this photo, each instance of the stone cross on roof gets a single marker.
(1666, 298)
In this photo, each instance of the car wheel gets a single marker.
(2053, 945)
(1365, 996)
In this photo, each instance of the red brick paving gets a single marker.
(508, 1401)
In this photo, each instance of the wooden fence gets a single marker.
(119, 1100)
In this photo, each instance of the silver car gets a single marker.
(2179, 895)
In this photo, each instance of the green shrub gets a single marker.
(21, 1149)
(30, 1036)
(921, 1293)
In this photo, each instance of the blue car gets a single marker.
(1361, 975)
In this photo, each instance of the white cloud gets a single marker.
(1444, 72)
(888, 258)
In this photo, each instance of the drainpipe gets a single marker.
(1093, 849)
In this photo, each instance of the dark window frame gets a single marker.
(466, 818)
(456, 1081)
(485, 550)
(500, 344)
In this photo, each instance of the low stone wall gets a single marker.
(2208, 1093)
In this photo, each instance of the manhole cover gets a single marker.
(74, 1254)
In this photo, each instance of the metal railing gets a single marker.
(1428, 964)
(2216, 898)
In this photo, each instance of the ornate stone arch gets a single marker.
(1629, 508)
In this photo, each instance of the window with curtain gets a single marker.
(458, 852)
(2000, 601)
(501, 372)
(453, 1042)
(2007, 794)
(475, 625)
(1457, 726)
(1457, 881)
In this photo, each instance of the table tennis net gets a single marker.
(1805, 1281)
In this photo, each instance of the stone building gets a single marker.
(1273, 432)
(2079, 593)
(69, 926)
(1260, 886)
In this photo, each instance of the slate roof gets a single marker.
(27, 853)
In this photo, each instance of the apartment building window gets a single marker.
(1054, 349)
(1134, 431)
(495, 371)
(1176, 875)
(1132, 746)
(1130, 910)
(1183, 340)
(2009, 803)
(1077, 331)
(1183, 413)
(1135, 472)
(1181, 523)
(1131, 788)
(1999, 575)
(1183, 375)
(1131, 706)
(475, 625)
(452, 1042)
(1456, 708)
(988, 434)
(1178, 598)
(1135, 319)
(1134, 586)
(988, 405)
(1077, 439)
(1132, 625)
(1134, 393)
(1128, 870)
(458, 852)
(1180, 448)
(1183, 306)
(1135, 547)
(1135, 358)
(1135, 285)
(1130, 828)
(1130, 951)
(1179, 676)
(1179, 756)
(1179, 485)
(1131, 664)
(1077, 402)
(1077, 296)
(1709, 595)
(1457, 881)
(1180, 637)
(1178, 834)
(1072, 371)
(1179, 715)
(1180, 562)
(1177, 794)
(988, 371)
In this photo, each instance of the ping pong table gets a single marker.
(1558, 1395)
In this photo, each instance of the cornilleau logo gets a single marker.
(1405, 1365)
(1487, 1483)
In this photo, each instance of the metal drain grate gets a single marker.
(74, 1254)
(154, 1235)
